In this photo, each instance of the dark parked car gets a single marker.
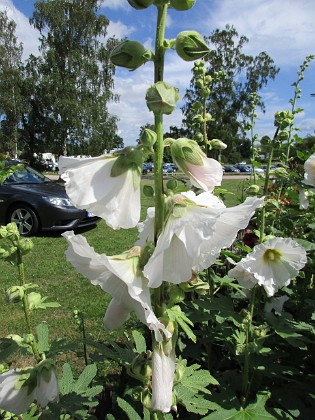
(34, 202)
(230, 168)
(244, 168)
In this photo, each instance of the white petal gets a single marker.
(47, 391)
(116, 314)
(16, 401)
(309, 167)
(163, 368)
(205, 176)
(90, 186)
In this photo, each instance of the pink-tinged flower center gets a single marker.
(272, 255)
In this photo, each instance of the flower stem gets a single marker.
(26, 308)
(158, 121)
(245, 378)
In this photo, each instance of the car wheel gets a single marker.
(25, 219)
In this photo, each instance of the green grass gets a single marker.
(47, 266)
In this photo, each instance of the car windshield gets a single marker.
(27, 175)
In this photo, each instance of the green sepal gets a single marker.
(148, 191)
(129, 158)
(191, 46)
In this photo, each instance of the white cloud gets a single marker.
(285, 30)
(119, 29)
(114, 4)
(25, 33)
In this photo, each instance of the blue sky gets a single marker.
(285, 29)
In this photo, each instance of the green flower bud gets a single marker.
(128, 158)
(176, 295)
(146, 398)
(140, 4)
(190, 45)
(252, 189)
(187, 150)
(161, 98)
(182, 4)
(14, 294)
(172, 184)
(34, 299)
(280, 173)
(217, 144)
(28, 338)
(25, 245)
(12, 231)
(130, 54)
(141, 368)
(148, 138)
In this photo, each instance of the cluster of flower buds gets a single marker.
(283, 119)
(130, 54)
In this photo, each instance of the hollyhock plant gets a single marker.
(20, 388)
(99, 186)
(196, 230)
(271, 264)
(203, 172)
(309, 167)
(121, 277)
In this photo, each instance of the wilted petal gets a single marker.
(90, 186)
(163, 368)
(120, 277)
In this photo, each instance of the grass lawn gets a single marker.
(46, 266)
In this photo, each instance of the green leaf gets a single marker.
(175, 314)
(42, 335)
(255, 411)
(128, 409)
(308, 246)
(66, 382)
(85, 378)
(139, 340)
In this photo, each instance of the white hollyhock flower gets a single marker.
(271, 264)
(119, 276)
(20, 388)
(205, 176)
(163, 369)
(309, 167)
(203, 172)
(193, 237)
(303, 198)
(90, 185)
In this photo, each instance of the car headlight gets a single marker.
(58, 201)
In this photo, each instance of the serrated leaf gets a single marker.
(255, 411)
(85, 378)
(139, 340)
(42, 338)
(128, 409)
(92, 392)
(66, 382)
(197, 379)
(193, 403)
(175, 314)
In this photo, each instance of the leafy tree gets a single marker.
(69, 86)
(229, 97)
(10, 83)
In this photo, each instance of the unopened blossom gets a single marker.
(203, 172)
(20, 388)
(309, 167)
(276, 303)
(195, 231)
(271, 264)
(163, 369)
(119, 276)
(91, 185)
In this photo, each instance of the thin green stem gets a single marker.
(26, 308)
(158, 120)
(246, 367)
